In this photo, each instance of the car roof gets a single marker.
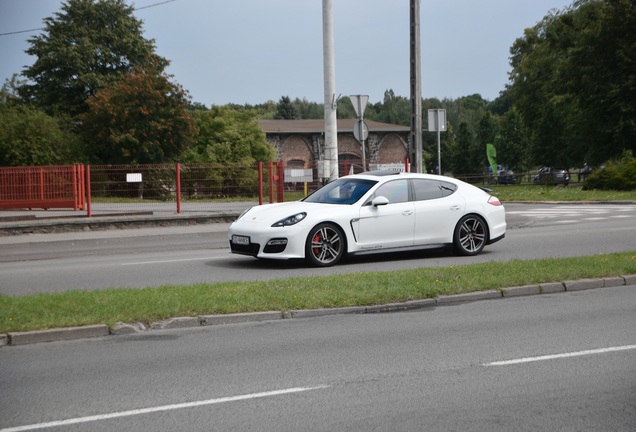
(391, 173)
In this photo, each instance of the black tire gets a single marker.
(471, 235)
(325, 245)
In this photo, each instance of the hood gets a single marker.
(271, 213)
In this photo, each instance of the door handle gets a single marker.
(455, 207)
(407, 212)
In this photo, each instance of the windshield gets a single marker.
(342, 191)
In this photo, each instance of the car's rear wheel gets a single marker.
(325, 245)
(471, 235)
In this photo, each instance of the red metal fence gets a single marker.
(186, 182)
(112, 189)
(43, 187)
(140, 187)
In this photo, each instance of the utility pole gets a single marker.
(416, 90)
(331, 124)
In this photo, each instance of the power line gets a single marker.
(42, 28)
(155, 4)
(21, 31)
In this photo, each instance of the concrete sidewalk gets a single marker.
(115, 217)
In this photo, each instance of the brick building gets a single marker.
(301, 143)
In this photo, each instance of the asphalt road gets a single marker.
(569, 365)
(182, 255)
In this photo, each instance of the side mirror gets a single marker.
(379, 201)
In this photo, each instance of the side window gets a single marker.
(396, 191)
(426, 189)
(447, 188)
(432, 189)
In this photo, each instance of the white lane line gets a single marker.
(560, 356)
(158, 409)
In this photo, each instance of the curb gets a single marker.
(109, 222)
(101, 330)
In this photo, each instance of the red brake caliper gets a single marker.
(316, 240)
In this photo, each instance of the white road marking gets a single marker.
(159, 409)
(560, 356)
(577, 214)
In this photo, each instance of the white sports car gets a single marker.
(372, 212)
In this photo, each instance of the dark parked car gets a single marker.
(506, 177)
(547, 175)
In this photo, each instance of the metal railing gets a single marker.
(44, 187)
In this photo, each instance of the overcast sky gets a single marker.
(252, 51)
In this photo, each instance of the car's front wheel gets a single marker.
(471, 235)
(325, 245)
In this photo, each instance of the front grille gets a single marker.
(250, 249)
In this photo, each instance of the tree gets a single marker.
(234, 141)
(574, 75)
(512, 141)
(487, 130)
(549, 142)
(228, 136)
(601, 75)
(394, 110)
(142, 118)
(9, 91)
(285, 109)
(83, 48)
(31, 137)
(462, 157)
(308, 110)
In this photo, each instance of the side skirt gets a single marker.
(399, 249)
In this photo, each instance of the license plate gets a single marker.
(242, 240)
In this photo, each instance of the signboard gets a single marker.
(359, 103)
(299, 175)
(437, 120)
(361, 130)
(133, 178)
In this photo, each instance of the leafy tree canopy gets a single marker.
(83, 47)
(142, 118)
(511, 142)
(227, 135)
(32, 137)
(573, 81)
(285, 110)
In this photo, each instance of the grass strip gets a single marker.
(77, 308)
(534, 193)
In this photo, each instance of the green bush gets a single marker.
(620, 176)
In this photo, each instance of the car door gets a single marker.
(437, 210)
(390, 225)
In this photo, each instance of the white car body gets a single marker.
(380, 219)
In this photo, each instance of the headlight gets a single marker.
(291, 220)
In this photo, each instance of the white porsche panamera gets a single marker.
(372, 212)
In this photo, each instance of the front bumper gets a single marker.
(271, 243)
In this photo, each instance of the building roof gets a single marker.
(318, 126)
